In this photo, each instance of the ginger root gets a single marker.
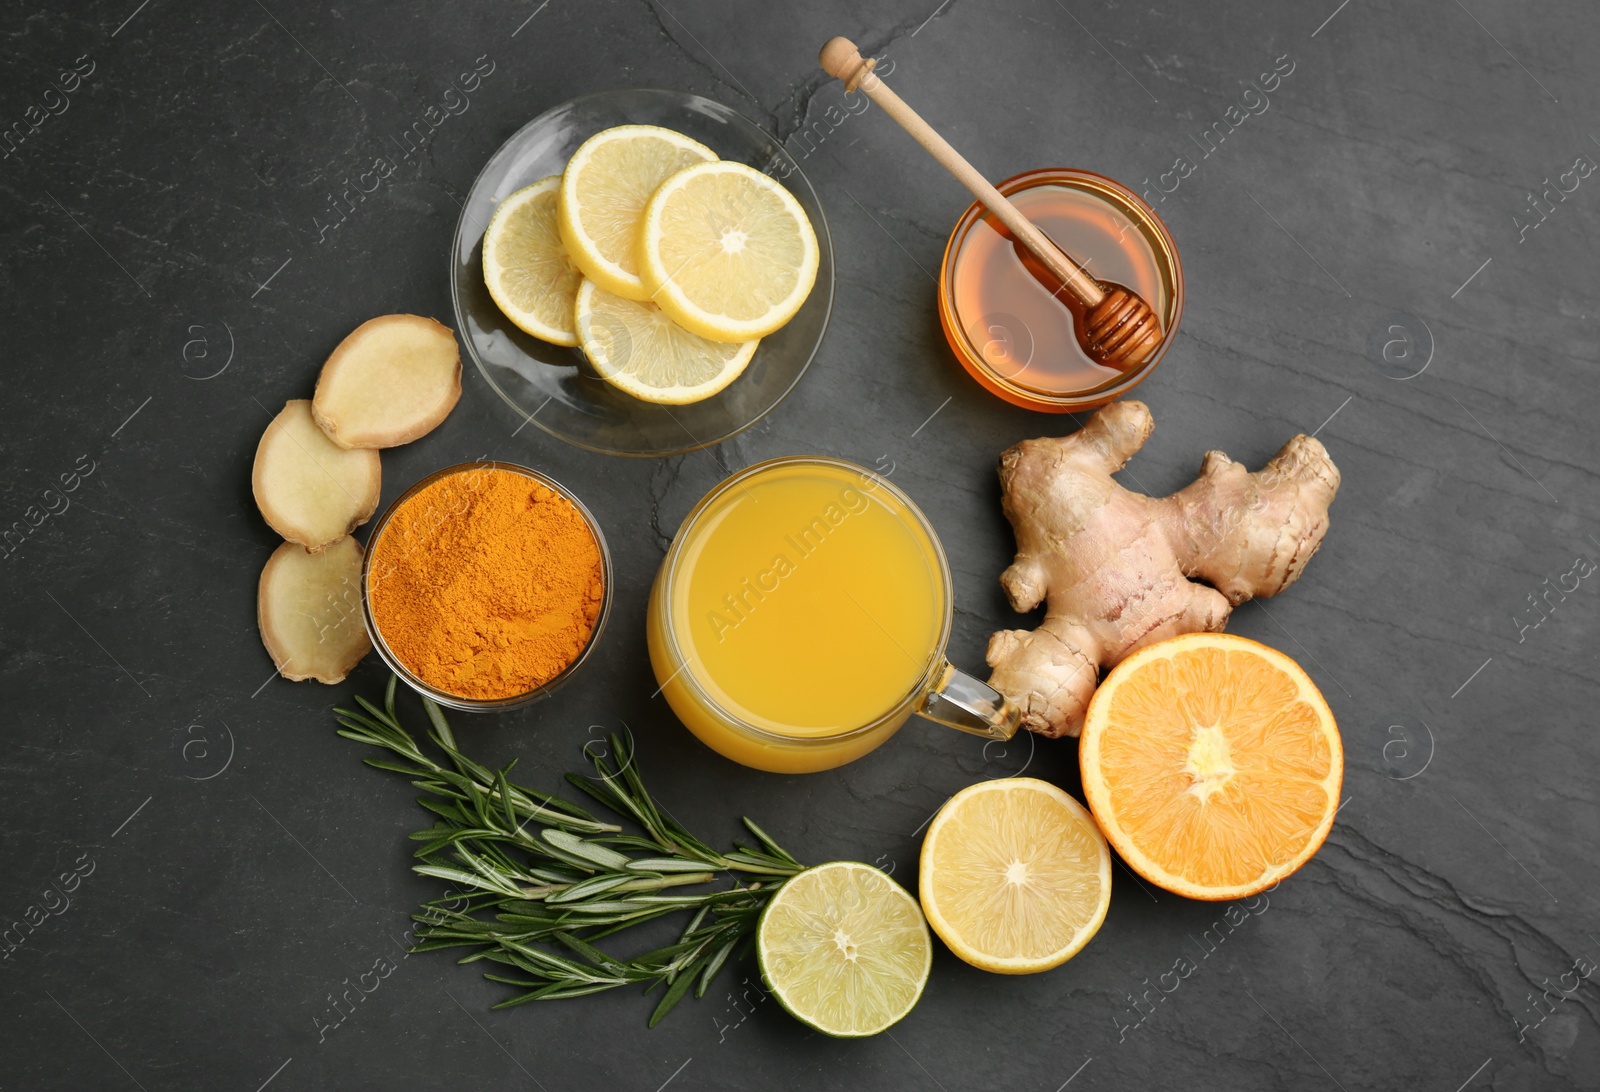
(1118, 568)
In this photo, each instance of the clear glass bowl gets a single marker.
(554, 387)
(456, 701)
(1164, 293)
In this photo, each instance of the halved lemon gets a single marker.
(526, 267)
(637, 349)
(604, 189)
(1212, 763)
(1016, 877)
(727, 251)
(844, 949)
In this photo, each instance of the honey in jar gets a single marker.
(1010, 323)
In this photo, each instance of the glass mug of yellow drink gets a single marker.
(801, 616)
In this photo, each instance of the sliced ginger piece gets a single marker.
(309, 609)
(310, 490)
(392, 380)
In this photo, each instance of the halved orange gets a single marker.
(1212, 764)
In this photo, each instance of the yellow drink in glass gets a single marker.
(800, 615)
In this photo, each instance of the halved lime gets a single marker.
(845, 949)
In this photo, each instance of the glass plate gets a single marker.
(554, 387)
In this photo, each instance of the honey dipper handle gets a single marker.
(841, 59)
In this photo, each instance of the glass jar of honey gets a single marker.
(1013, 330)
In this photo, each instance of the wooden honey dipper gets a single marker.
(1119, 329)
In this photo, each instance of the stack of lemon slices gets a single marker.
(665, 264)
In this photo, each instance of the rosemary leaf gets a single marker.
(713, 965)
(574, 846)
(666, 864)
(674, 994)
(441, 727)
(766, 839)
(592, 954)
(599, 885)
(457, 876)
(392, 767)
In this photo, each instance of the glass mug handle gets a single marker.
(959, 701)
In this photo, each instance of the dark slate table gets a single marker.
(230, 864)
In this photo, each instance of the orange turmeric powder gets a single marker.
(486, 584)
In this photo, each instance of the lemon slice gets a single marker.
(637, 349)
(727, 251)
(1016, 877)
(603, 193)
(844, 949)
(525, 266)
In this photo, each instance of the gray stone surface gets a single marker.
(238, 863)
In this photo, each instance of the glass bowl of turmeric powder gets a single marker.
(486, 585)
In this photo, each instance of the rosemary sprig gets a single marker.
(539, 879)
